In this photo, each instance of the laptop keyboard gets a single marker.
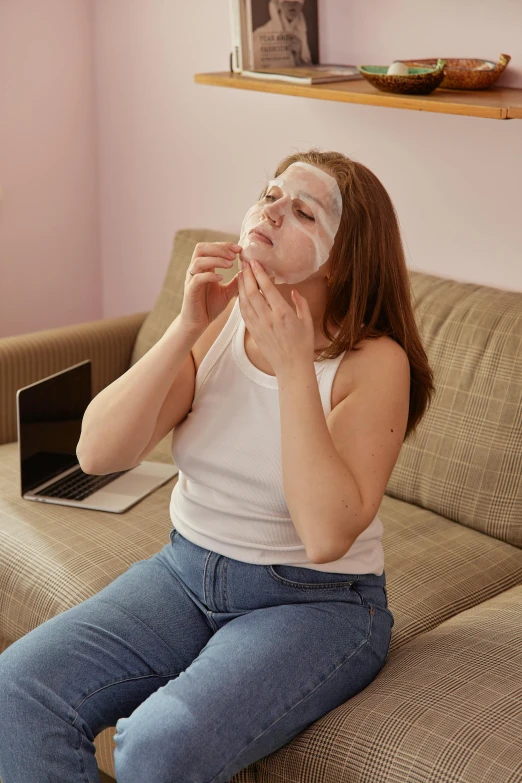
(78, 485)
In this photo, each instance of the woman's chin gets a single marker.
(256, 251)
(266, 269)
(253, 254)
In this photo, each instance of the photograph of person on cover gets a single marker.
(282, 41)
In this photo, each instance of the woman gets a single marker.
(207, 659)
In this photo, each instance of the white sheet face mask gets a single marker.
(301, 230)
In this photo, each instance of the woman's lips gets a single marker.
(260, 237)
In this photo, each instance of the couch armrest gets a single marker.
(27, 358)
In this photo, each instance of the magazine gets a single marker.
(280, 34)
(314, 74)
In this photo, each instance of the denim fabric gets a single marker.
(203, 663)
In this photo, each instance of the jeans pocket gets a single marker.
(310, 579)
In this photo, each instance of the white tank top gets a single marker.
(229, 496)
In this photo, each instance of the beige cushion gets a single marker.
(170, 299)
(446, 707)
(464, 462)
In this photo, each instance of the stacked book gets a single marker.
(274, 40)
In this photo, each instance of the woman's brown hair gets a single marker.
(369, 292)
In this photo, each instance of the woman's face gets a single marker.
(290, 8)
(300, 214)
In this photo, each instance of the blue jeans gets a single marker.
(203, 663)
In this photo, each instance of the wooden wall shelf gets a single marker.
(497, 103)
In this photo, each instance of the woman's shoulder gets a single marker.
(356, 366)
(375, 349)
(374, 353)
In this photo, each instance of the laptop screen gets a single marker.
(50, 414)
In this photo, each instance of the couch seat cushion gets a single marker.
(445, 707)
(52, 557)
(436, 568)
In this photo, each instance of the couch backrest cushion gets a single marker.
(464, 461)
(168, 304)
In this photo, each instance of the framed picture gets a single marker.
(282, 33)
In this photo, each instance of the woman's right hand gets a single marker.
(204, 297)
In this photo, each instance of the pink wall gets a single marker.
(176, 154)
(118, 113)
(50, 271)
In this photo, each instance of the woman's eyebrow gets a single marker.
(309, 195)
(300, 194)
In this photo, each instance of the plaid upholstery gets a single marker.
(465, 460)
(436, 570)
(26, 358)
(444, 706)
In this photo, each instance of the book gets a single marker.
(313, 74)
(238, 29)
(280, 35)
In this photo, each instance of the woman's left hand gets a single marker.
(284, 336)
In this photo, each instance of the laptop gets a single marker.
(49, 420)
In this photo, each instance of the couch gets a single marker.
(447, 705)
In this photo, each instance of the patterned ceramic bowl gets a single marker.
(420, 80)
(462, 74)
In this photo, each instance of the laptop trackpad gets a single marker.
(141, 478)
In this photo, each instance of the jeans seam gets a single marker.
(205, 599)
(118, 682)
(78, 750)
(113, 603)
(343, 661)
(225, 583)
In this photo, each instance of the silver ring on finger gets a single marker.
(192, 273)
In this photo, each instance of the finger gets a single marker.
(249, 280)
(242, 293)
(223, 249)
(204, 277)
(255, 296)
(247, 310)
(204, 263)
(215, 248)
(270, 292)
